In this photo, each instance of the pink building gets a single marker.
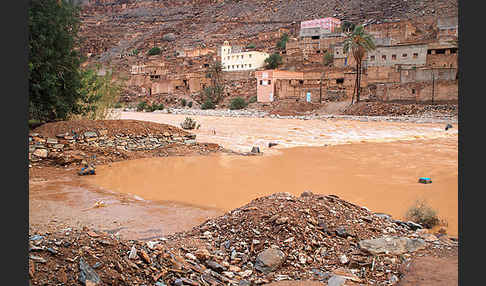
(266, 82)
(329, 24)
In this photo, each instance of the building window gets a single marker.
(404, 55)
(301, 81)
(453, 50)
(383, 57)
(269, 81)
(372, 58)
(415, 55)
(394, 57)
(340, 80)
(261, 82)
(429, 52)
(249, 65)
(440, 51)
(413, 91)
(337, 53)
(233, 66)
(249, 56)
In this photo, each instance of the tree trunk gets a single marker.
(358, 88)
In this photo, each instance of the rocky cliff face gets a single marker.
(111, 28)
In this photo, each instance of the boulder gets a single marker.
(87, 275)
(391, 245)
(269, 260)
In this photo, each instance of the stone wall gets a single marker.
(418, 91)
(57, 148)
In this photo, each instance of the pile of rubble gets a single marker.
(116, 138)
(273, 238)
(398, 109)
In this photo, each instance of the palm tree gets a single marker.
(358, 42)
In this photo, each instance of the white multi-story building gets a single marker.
(242, 60)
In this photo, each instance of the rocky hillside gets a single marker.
(114, 27)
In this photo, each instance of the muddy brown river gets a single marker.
(380, 176)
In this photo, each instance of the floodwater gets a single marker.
(382, 176)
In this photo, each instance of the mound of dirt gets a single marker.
(312, 237)
(112, 127)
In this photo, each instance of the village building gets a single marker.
(318, 28)
(275, 85)
(240, 61)
(412, 55)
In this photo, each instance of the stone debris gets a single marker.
(244, 247)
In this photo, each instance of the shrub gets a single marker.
(189, 123)
(238, 103)
(208, 104)
(189, 104)
(135, 52)
(273, 61)
(422, 214)
(252, 99)
(184, 102)
(283, 41)
(141, 106)
(251, 46)
(154, 51)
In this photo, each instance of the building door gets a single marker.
(308, 97)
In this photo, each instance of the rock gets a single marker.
(341, 232)
(271, 144)
(38, 259)
(202, 254)
(413, 225)
(40, 152)
(255, 150)
(281, 220)
(269, 260)
(133, 253)
(245, 273)
(391, 245)
(306, 194)
(336, 280)
(343, 259)
(87, 274)
(90, 134)
(178, 282)
(228, 274)
(190, 256)
(51, 141)
(385, 216)
(215, 266)
(169, 37)
(244, 283)
(145, 256)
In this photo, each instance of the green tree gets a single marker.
(215, 92)
(273, 61)
(154, 51)
(99, 95)
(282, 43)
(53, 68)
(358, 42)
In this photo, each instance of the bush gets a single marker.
(154, 51)
(283, 41)
(422, 214)
(184, 102)
(273, 61)
(238, 103)
(189, 104)
(208, 104)
(141, 106)
(251, 46)
(189, 123)
(252, 99)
